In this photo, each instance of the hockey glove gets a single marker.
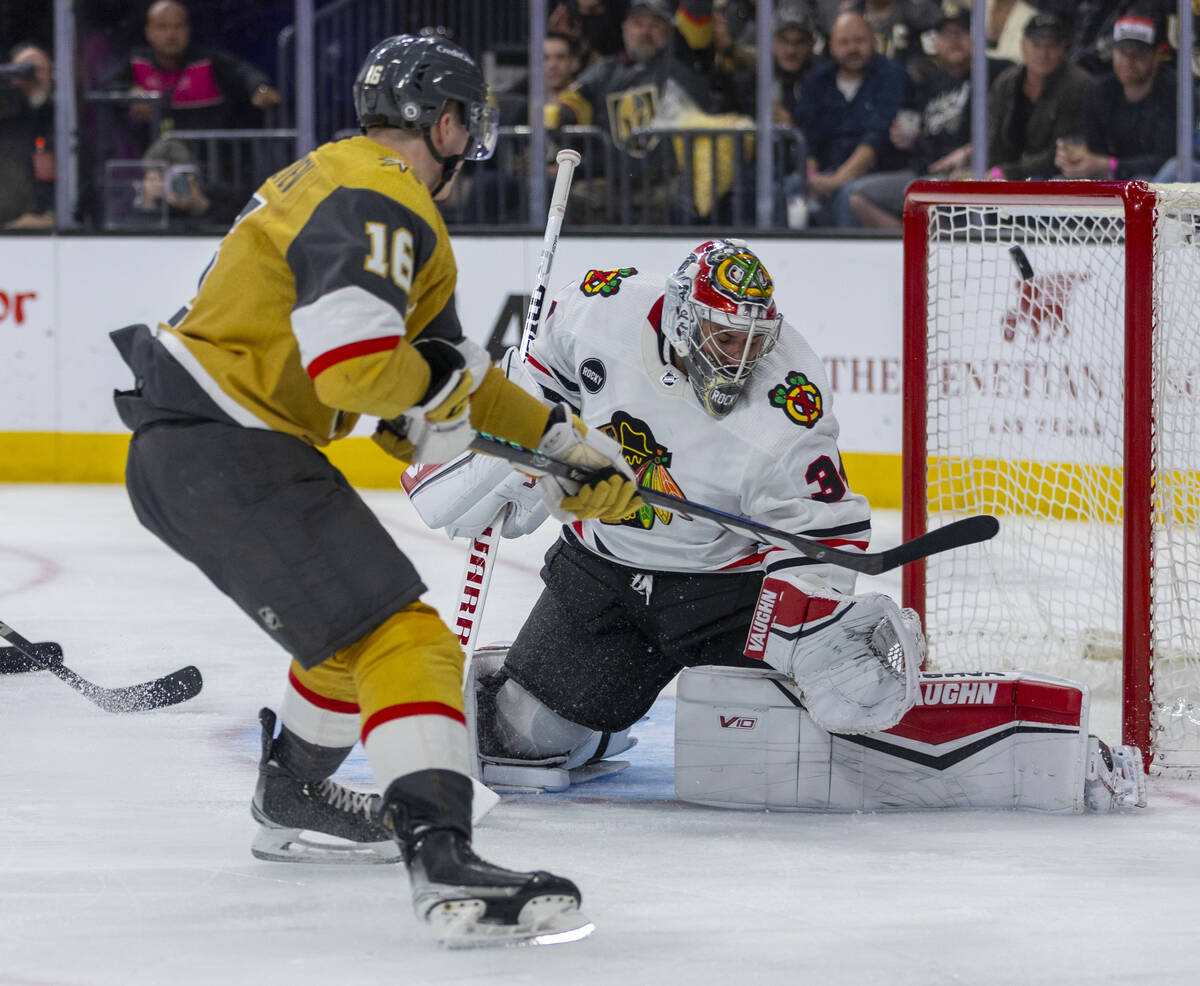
(854, 659)
(438, 426)
(611, 495)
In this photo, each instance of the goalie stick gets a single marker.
(568, 160)
(481, 556)
(969, 530)
(170, 689)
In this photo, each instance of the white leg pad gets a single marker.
(991, 740)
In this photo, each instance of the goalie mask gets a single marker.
(406, 82)
(719, 315)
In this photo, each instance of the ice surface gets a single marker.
(124, 840)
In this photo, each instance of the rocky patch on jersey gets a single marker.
(649, 461)
(800, 399)
(605, 283)
(593, 374)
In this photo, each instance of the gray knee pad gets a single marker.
(530, 729)
(527, 728)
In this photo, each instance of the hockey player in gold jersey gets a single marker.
(332, 296)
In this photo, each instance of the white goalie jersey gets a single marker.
(774, 458)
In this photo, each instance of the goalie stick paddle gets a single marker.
(170, 689)
(969, 530)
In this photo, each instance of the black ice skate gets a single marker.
(471, 903)
(467, 901)
(286, 806)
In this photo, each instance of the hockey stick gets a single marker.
(477, 577)
(13, 661)
(477, 573)
(568, 160)
(170, 689)
(969, 530)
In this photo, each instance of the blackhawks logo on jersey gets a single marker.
(649, 462)
(799, 398)
(605, 283)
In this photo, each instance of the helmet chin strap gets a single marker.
(449, 165)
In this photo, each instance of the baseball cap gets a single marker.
(663, 8)
(1134, 29)
(167, 150)
(954, 12)
(1046, 26)
(793, 15)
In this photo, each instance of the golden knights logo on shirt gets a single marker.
(648, 460)
(629, 110)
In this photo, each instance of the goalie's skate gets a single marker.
(1115, 777)
(287, 807)
(470, 903)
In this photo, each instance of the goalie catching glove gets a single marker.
(608, 496)
(438, 426)
(854, 659)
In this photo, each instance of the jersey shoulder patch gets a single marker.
(605, 283)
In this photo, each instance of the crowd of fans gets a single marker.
(878, 91)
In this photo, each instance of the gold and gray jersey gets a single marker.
(305, 317)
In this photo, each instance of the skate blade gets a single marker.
(548, 920)
(283, 845)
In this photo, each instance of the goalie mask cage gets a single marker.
(1052, 378)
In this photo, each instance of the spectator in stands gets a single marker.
(793, 42)
(1031, 106)
(662, 73)
(731, 56)
(847, 110)
(171, 195)
(632, 82)
(941, 144)
(1128, 125)
(898, 26)
(27, 169)
(561, 62)
(594, 24)
(201, 88)
(1006, 20)
(492, 192)
(1091, 39)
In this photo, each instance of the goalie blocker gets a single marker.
(973, 740)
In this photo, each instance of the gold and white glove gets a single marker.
(609, 496)
(438, 427)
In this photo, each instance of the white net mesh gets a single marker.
(1025, 417)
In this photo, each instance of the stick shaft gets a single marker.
(568, 161)
(969, 530)
(476, 579)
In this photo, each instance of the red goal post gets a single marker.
(1052, 377)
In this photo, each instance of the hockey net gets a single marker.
(1052, 378)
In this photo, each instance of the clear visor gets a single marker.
(731, 345)
(483, 126)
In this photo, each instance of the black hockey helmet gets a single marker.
(407, 80)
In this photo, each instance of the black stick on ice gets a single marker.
(170, 689)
